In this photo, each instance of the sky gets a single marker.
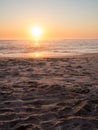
(58, 18)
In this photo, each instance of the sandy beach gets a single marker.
(49, 93)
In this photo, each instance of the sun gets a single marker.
(36, 32)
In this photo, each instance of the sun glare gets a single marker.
(36, 32)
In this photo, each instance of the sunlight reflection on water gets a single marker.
(53, 48)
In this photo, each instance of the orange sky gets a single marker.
(58, 19)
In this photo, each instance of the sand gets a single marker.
(49, 94)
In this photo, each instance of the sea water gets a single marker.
(51, 48)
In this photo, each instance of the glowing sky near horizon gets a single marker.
(59, 18)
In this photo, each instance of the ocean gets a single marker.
(51, 48)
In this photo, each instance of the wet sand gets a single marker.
(49, 94)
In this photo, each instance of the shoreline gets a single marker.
(51, 57)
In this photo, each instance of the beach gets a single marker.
(49, 93)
